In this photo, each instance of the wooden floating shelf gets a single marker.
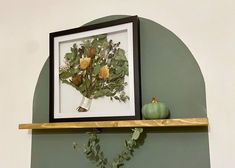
(180, 122)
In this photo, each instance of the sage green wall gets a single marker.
(169, 71)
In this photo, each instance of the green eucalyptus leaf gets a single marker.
(96, 69)
(69, 56)
(65, 75)
(135, 135)
(98, 94)
(120, 55)
(86, 43)
(101, 36)
(140, 130)
(74, 71)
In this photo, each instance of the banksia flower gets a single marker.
(104, 72)
(84, 63)
(77, 80)
(91, 52)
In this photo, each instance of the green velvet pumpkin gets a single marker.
(155, 110)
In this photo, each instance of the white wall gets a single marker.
(206, 26)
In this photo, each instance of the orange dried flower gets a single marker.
(91, 52)
(77, 79)
(84, 63)
(104, 72)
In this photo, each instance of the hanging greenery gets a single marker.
(94, 153)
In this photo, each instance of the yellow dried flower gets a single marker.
(104, 72)
(84, 62)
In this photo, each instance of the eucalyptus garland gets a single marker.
(94, 153)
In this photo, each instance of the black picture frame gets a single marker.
(86, 60)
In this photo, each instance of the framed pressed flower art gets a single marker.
(95, 72)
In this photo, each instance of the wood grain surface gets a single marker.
(119, 124)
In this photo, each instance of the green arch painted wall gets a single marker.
(169, 71)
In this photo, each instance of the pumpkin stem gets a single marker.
(154, 99)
